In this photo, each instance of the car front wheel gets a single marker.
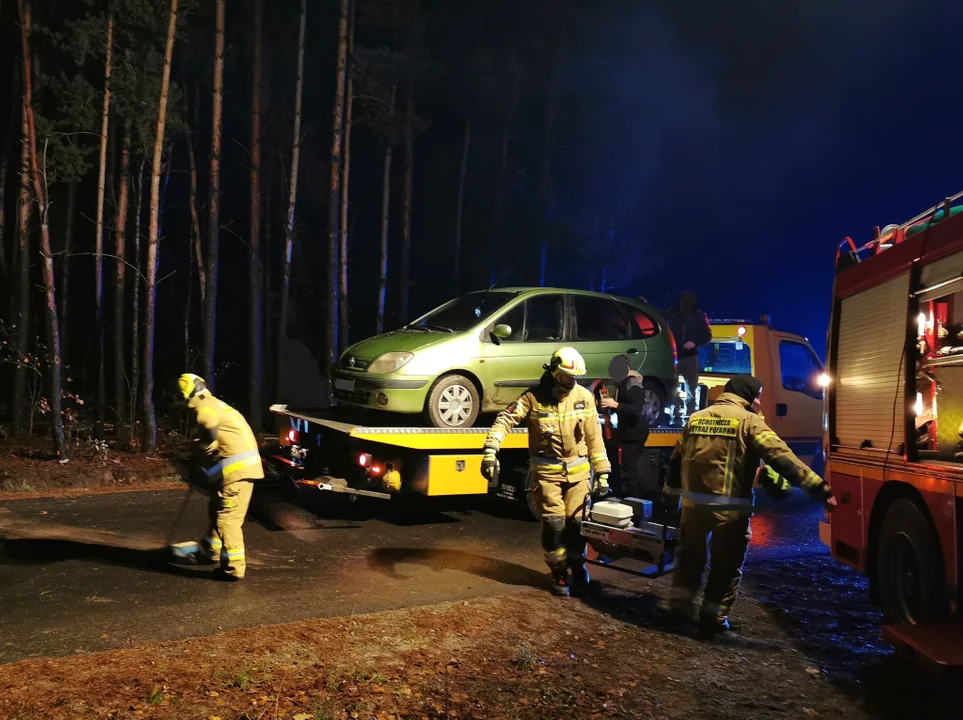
(453, 402)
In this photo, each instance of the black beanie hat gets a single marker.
(745, 386)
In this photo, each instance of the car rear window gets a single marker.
(726, 357)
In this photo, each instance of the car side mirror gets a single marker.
(501, 332)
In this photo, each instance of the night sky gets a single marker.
(732, 145)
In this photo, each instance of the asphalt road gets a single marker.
(310, 555)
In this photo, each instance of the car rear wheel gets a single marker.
(453, 402)
(909, 569)
(654, 407)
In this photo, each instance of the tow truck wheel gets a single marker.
(453, 402)
(909, 566)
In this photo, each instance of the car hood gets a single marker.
(396, 341)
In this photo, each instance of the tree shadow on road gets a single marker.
(42, 551)
(385, 560)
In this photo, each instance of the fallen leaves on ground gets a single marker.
(516, 656)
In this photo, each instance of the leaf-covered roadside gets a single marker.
(524, 655)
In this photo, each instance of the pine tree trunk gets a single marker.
(196, 221)
(292, 197)
(404, 284)
(337, 138)
(385, 208)
(459, 208)
(99, 243)
(543, 194)
(135, 300)
(214, 222)
(53, 324)
(22, 316)
(267, 252)
(120, 295)
(72, 190)
(150, 424)
(7, 261)
(345, 176)
(255, 368)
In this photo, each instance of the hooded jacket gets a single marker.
(715, 462)
(688, 324)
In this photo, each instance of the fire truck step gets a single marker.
(939, 645)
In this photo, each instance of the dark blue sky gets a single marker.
(760, 133)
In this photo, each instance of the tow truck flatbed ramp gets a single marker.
(440, 439)
(938, 647)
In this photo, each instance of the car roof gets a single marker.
(567, 291)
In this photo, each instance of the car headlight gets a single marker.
(390, 362)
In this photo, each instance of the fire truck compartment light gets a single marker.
(919, 404)
(921, 325)
(292, 435)
(741, 332)
(824, 380)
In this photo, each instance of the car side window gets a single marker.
(642, 326)
(599, 320)
(800, 369)
(538, 319)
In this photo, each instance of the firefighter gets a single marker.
(233, 447)
(565, 446)
(632, 430)
(713, 468)
(690, 327)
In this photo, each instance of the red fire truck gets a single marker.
(894, 426)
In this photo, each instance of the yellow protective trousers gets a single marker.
(226, 511)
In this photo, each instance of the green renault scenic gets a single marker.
(477, 353)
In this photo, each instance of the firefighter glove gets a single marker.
(670, 500)
(489, 464)
(601, 488)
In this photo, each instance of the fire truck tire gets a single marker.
(453, 402)
(909, 566)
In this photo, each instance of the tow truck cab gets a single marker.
(791, 374)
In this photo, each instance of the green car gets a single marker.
(479, 352)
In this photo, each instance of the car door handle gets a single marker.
(632, 351)
(782, 410)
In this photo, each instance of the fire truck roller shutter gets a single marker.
(872, 331)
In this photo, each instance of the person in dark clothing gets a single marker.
(690, 327)
(632, 430)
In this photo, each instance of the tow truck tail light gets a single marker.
(364, 459)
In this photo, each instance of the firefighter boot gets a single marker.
(553, 543)
(582, 584)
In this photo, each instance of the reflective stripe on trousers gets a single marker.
(557, 465)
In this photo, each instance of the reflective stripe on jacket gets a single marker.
(563, 432)
(715, 462)
(234, 440)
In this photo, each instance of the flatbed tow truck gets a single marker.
(319, 449)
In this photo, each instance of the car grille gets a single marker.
(350, 362)
(358, 397)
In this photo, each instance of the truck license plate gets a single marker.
(347, 385)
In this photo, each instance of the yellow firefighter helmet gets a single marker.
(190, 384)
(567, 361)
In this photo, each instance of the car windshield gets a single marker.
(462, 313)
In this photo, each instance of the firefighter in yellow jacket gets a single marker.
(565, 445)
(713, 468)
(238, 463)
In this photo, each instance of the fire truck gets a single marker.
(894, 424)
